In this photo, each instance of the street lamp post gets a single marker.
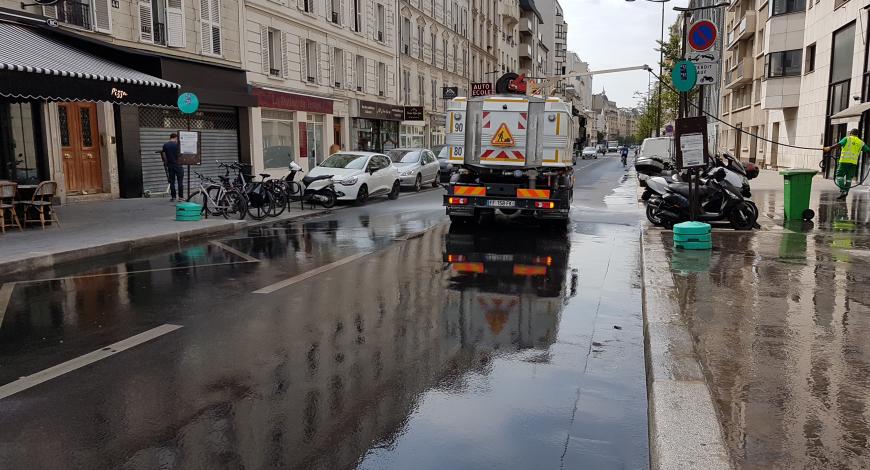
(661, 59)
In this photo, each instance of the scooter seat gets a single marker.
(310, 179)
(265, 175)
(683, 189)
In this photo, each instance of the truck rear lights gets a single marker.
(545, 205)
(457, 200)
(455, 258)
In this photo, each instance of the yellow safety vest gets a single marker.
(852, 150)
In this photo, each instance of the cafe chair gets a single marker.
(40, 203)
(8, 190)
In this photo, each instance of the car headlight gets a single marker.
(349, 181)
(408, 172)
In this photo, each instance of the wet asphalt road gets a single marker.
(371, 337)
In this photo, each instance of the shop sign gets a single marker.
(449, 92)
(413, 113)
(380, 111)
(438, 120)
(481, 89)
(292, 102)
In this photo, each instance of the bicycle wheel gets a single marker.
(280, 199)
(201, 198)
(259, 201)
(214, 195)
(233, 204)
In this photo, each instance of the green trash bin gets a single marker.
(797, 183)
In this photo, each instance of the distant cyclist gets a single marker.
(624, 152)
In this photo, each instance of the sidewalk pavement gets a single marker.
(114, 226)
(766, 334)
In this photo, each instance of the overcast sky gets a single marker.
(616, 33)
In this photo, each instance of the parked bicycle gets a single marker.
(216, 199)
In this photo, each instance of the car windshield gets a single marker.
(345, 160)
(404, 157)
(444, 153)
(589, 149)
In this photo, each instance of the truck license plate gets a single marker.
(500, 203)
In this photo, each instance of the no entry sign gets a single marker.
(702, 35)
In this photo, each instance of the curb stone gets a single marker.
(684, 429)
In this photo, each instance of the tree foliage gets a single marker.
(670, 99)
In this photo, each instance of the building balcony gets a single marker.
(525, 51)
(744, 29)
(526, 26)
(740, 75)
(509, 10)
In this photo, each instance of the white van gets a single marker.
(656, 155)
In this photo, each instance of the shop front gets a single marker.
(375, 126)
(293, 128)
(412, 132)
(57, 118)
(437, 129)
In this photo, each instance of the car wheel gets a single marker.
(362, 194)
(394, 193)
(418, 183)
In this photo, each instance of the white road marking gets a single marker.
(234, 251)
(56, 371)
(125, 273)
(5, 296)
(310, 274)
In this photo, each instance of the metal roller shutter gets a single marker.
(220, 142)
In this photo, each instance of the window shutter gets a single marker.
(102, 16)
(205, 26)
(367, 82)
(350, 80)
(342, 16)
(374, 16)
(175, 35)
(285, 56)
(264, 50)
(303, 59)
(50, 11)
(146, 23)
(388, 28)
(332, 76)
(300, 4)
(318, 54)
(216, 27)
(391, 82)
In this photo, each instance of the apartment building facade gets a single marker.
(532, 49)
(484, 42)
(508, 38)
(92, 110)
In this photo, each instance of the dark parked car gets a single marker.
(445, 168)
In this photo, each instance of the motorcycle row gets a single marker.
(722, 193)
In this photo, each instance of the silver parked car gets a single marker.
(416, 167)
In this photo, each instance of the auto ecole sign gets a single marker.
(702, 35)
(481, 89)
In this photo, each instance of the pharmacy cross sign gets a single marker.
(702, 35)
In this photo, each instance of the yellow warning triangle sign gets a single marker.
(503, 137)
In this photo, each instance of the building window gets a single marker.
(338, 67)
(782, 64)
(311, 61)
(841, 69)
(810, 58)
(434, 47)
(360, 73)
(420, 42)
(335, 16)
(434, 94)
(406, 36)
(279, 147)
(357, 16)
(455, 58)
(308, 6)
(21, 157)
(274, 38)
(382, 79)
(445, 54)
(382, 20)
(406, 87)
(781, 7)
(421, 90)
(837, 3)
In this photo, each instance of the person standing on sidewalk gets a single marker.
(851, 147)
(173, 169)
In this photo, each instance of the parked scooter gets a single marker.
(318, 189)
(721, 194)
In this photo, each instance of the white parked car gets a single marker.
(416, 167)
(360, 175)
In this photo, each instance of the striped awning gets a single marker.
(36, 66)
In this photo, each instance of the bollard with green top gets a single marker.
(693, 236)
(797, 183)
(188, 211)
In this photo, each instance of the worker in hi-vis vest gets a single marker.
(851, 147)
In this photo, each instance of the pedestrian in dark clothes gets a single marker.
(173, 168)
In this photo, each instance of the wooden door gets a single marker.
(80, 146)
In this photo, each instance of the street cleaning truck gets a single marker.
(513, 155)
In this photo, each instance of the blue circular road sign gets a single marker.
(702, 35)
(188, 103)
(684, 75)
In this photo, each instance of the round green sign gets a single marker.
(188, 103)
(684, 75)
